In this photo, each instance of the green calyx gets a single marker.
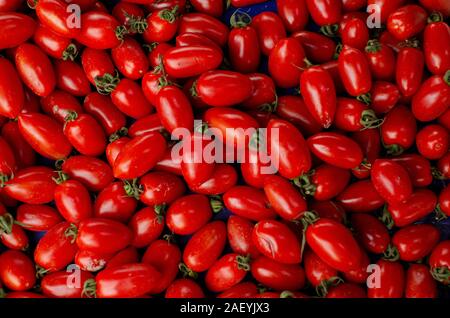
(386, 218)
(308, 218)
(160, 211)
(216, 203)
(391, 254)
(89, 288)
(330, 30)
(71, 232)
(373, 46)
(186, 271)
(135, 24)
(41, 272)
(324, 286)
(243, 262)
(169, 15)
(365, 98)
(287, 294)
(441, 274)
(307, 188)
(447, 77)
(435, 17)
(240, 19)
(369, 120)
(6, 223)
(122, 132)
(62, 177)
(338, 50)
(439, 214)
(70, 53)
(133, 189)
(270, 107)
(3, 179)
(120, 32)
(107, 83)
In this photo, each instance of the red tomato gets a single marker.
(162, 25)
(391, 281)
(37, 217)
(239, 232)
(433, 141)
(383, 8)
(241, 290)
(12, 235)
(145, 125)
(325, 12)
(99, 30)
(35, 69)
(57, 248)
(438, 5)
(409, 75)
(436, 47)
(123, 11)
(359, 275)
(184, 288)
(85, 134)
(318, 47)
(391, 181)
(210, 7)
(128, 164)
(334, 244)
(398, 131)
(194, 39)
(432, 99)
(355, 71)
(70, 77)
(371, 233)
(336, 149)
(317, 271)
(91, 261)
(130, 59)
(7, 160)
(439, 262)
(146, 226)
(12, 96)
(243, 49)
(270, 29)
(15, 28)
(355, 33)
(73, 201)
(201, 23)
(381, 60)
(205, 246)
(444, 201)
(328, 209)
(157, 51)
(188, 214)
(293, 13)
(57, 284)
(59, 104)
(223, 178)
(415, 241)
(277, 275)
(33, 185)
(249, 203)
(129, 98)
(421, 203)
(103, 236)
(385, 96)
(165, 257)
(370, 142)
(126, 256)
(17, 271)
(174, 109)
(276, 241)
(96, 63)
(54, 44)
(419, 169)
(443, 166)
(353, 115)
(319, 93)
(407, 21)
(114, 203)
(226, 272)
(346, 290)
(158, 188)
(55, 15)
(419, 282)
(286, 61)
(189, 61)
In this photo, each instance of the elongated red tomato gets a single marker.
(372, 234)
(249, 203)
(211, 7)
(54, 44)
(17, 271)
(243, 49)
(391, 281)
(440, 262)
(270, 29)
(201, 23)
(73, 201)
(96, 63)
(421, 203)
(419, 282)
(415, 241)
(223, 178)
(129, 98)
(360, 197)
(385, 96)
(184, 288)
(436, 47)
(324, 182)
(398, 130)
(174, 109)
(418, 168)
(146, 226)
(7, 160)
(130, 59)
(15, 28)
(432, 99)
(293, 13)
(226, 272)
(56, 284)
(12, 96)
(37, 217)
(318, 48)
(286, 61)
(114, 203)
(355, 71)
(59, 103)
(409, 75)
(407, 21)
(319, 93)
(239, 233)
(54, 14)
(317, 271)
(99, 30)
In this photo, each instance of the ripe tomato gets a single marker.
(54, 14)
(328, 209)
(210, 7)
(188, 214)
(35, 69)
(99, 30)
(418, 168)
(96, 63)
(391, 181)
(270, 29)
(190, 61)
(204, 24)
(145, 125)
(57, 248)
(355, 71)
(223, 178)
(286, 61)
(241, 290)
(419, 282)
(33, 185)
(158, 188)
(444, 201)
(103, 236)
(318, 47)
(37, 217)
(91, 261)
(346, 290)
(383, 8)
(114, 203)
(249, 203)
(15, 28)
(407, 21)
(443, 166)
(17, 271)
(385, 96)
(128, 164)
(336, 149)
(277, 275)
(436, 39)
(7, 160)
(226, 272)
(381, 60)
(409, 75)
(293, 13)
(44, 135)
(355, 33)
(359, 275)
(12, 96)
(146, 226)
(391, 282)
(421, 203)
(239, 232)
(433, 141)
(12, 235)
(184, 288)
(126, 256)
(193, 39)
(319, 93)
(129, 98)
(432, 100)
(72, 200)
(353, 115)
(59, 104)
(243, 49)
(174, 109)
(162, 25)
(317, 271)
(325, 12)
(439, 262)
(56, 284)
(130, 59)
(371, 233)
(157, 51)
(54, 44)
(123, 11)
(70, 77)
(398, 131)
(415, 241)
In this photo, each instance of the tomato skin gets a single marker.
(190, 61)
(355, 71)
(392, 281)
(248, 202)
(53, 44)
(17, 271)
(174, 109)
(54, 14)
(239, 233)
(359, 275)
(161, 188)
(91, 261)
(123, 10)
(184, 288)
(210, 7)
(56, 249)
(98, 30)
(44, 135)
(285, 62)
(316, 270)
(241, 290)
(325, 12)
(443, 165)
(409, 75)
(419, 282)
(370, 142)
(381, 60)
(162, 25)
(334, 244)
(11, 5)
(16, 28)
(188, 214)
(7, 159)
(277, 275)
(418, 168)
(103, 110)
(70, 77)
(205, 246)
(433, 141)
(193, 39)
(146, 226)
(432, 99)
(103, 236)
(73, 201)
(126, 281)
(37, 217)
(276, 241)
(270, 29)
(415, 241)
(436, 47)
(399, 129)
(346, 290)
(336, 149)
(385, 96)
(224, 273)
(23, 295)
(372, 234)
(293, 13)
(96, 63)
(223, 178)
(113, 203)
(384, 8)
(126, 256)
(129, 98)
(55, 284)
(85, 134)
(35, 69)
(355, 33)
(328, 181)
(165, 257)
(318, 48)
(444, 201)
(145, 125)
(407, 22)
(12, 96)
(351, 115)
(58, 105)
(130, 59)
(33, 185)
(319, 94)
(328, 209)
(128, 164)
(201, 23)
(93, 173)
(16, 239)
(157, 53)
(243, 49)
(439, 258)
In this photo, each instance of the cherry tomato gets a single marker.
(204, 24)
(436, 47)
(355, 33)
(162, 25)
(407, 21)
(130, 59)
(353, 115)
(355, 71)
(286, 61)
(433, 141)
(129, 98)
(270, 29)
(56, 284)
(419, 282)
(174, 109)
(17, 271)
(37, 217)
(409, 75)
(226, 272)
(99, 30)
(146, 226)
(418, 168)
(73, 201)
(415, 241)
(398, 130)
(184, 288)
(432, 100)
(328, 209)
(54, 14)
(114, 203)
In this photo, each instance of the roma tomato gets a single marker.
(99, 30)
(130, 59)
(226, 272)
(129, 98)
(17, 271)
(8, 164)
(433, 141)
(157, 51)
(355, 71)
(432, 100)
(249, 203)
(91, 261)
(174, 109)
(371, 233)
(384, 8)
(317, 271)
(158, 188)
(421, 203)
(223, 178)
(54, 14)
(55, 284)
(286, 61)
(325, 12)
(241, 290)
(204, 24)
(293, 13)
(188, 214)
(113, 203)
(385, 96)
(270, 29)
(70, 77)
(15, 29)
(162, 25)
(415, 241)
(336, 149)
(243, 49)
(391, 281)
(381, 60)
(239, 232)
(419, 282)
(418, 168)
(184, 288)
(59, 104)
(96, 63)
(37, 217)
(126, 256)
(328, 209)
(436, 39)
(444, 201)
(398, 131)
(145, 125)
(12, 96)
(439, 262)
(409, 75)
(346, 290)
(353, 115)
(210, 7)
(318, 48)
(355, 33)
(407, 21)
(72, 200)
(54, 44)
(147, 226)
(391, 181)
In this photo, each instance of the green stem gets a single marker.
(391, 254)
(369, 120)
(89, 288)
(133, 189)
(386, 218)
(243, 262)
(186, 271)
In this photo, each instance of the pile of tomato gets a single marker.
(94, 204)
